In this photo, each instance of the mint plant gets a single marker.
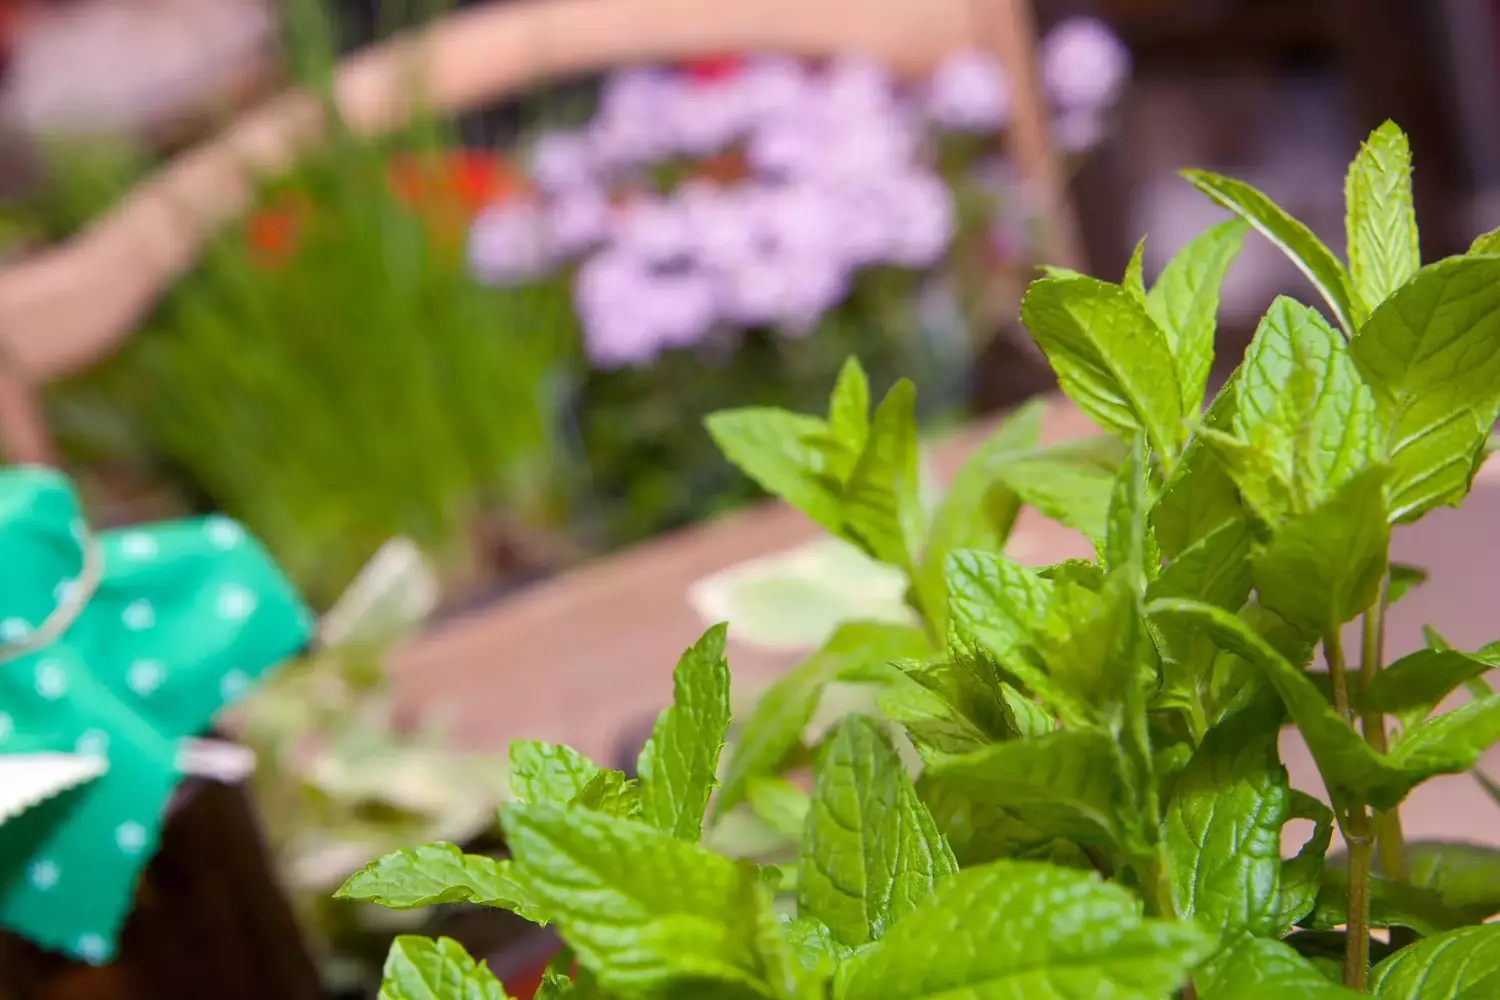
(1074, 788)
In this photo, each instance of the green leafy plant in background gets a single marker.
(1092, 800)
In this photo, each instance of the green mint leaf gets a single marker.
(1380, 217)
(782, 713)
(1323, 567)
(780, 804)
(1464, 876)
(849, 409)
(1109, 357)
(881, 506)
(1128, 546)
(1199, 495)
(799, 955)
(554, 986)
(1216, 570)
(679, 763)
(441, 873)
(1135, 282)
(1302, 874)
(780, 452)
(1403, 580)
(1450, 743)
(1222, 830)
(612, 793)
(948, 707)
(1184, 302)
(1070, 482)
(1485, 244)
(977, 833)
(545, 772)
(871, 851)
(1413, 685)
(1259, 969)
(1000, 607)
(1392, 904)
(979, 509)
(419, 968)
(1300, 403)
(1460, 965)
(643, 910)
(1077, 572)
(1095, 645)
(1069, 784)
(1293, 239)
(1348, 765)
(1012, 929)
(1431, 355)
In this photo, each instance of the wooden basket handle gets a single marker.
(71, 305)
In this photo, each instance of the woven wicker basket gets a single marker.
(72, 305)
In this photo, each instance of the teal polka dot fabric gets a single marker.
(183, 619)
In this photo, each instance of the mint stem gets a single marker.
(1356, 826)
(1390, 839)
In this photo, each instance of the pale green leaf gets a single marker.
(1380, 217)
(800, 955)
(1324, 567)
(1095, 645)
(1302, 874)
(679, 763)
(1431, 356)
(1450, 743)
(441, 873)
(419, 968)
(545, 772)
(1134, 281)
(1403, 580)
(643, 911)
(979, 509)
(1464, 876)
(1215, 569)
(1069, 784)
(1015, 930)
(1293, 239)
(1347, 763)
(610, 792)
(947, 707)
(1392, 904)
(781, 715)
(1199, 495)
(1462, 964)
(1185, 304)
(1070, 482)
(1414, 684)
(1110, 358)
(849, 409)
(780, 804)
(779, 451)
(881, 506)
(1485, 244)
(1300, 403)
(1222, 830)
(871, 851)
(1260, 969)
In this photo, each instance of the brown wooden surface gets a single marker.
(586, 659)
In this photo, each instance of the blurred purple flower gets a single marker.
(1078, 130)
(654, 229)
(786, 147)
(853, 87)
(561, 160)
(722, 223)
(577, 219)
(922, 219)
(682, 307)
(785, 290)
(629, 128)
(703, 118)
(769, 87)
(1083, 64)
(508, 244)
(608, 292)
(969, 93)
(800, 219)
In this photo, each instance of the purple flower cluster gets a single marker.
(838, 177)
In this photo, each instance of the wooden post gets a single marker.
(23, 428)
(1009, 27)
